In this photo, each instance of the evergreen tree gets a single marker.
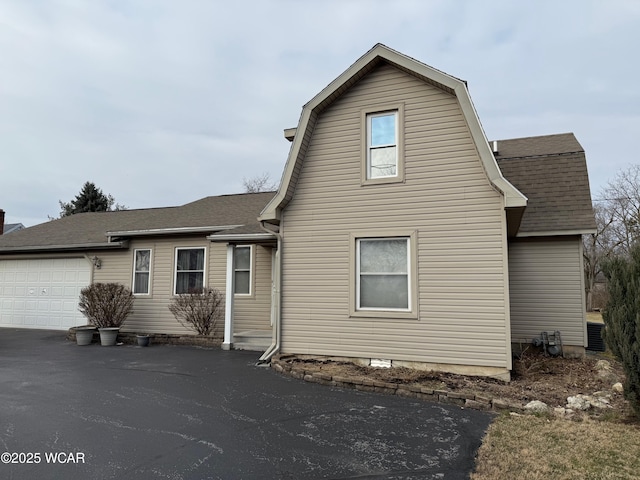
(622, 319)
(90, 199)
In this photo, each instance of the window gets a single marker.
(141, 271)
(382, 145)
(189, 270)
(242, 270)
(382, 271)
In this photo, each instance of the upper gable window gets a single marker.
(382, 145)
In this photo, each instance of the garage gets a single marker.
(42, 293)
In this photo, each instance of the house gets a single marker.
(157, 252)
(407, 237)
(6, 228)
(399, 235)
(11, 227)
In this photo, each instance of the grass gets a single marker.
(539, 448)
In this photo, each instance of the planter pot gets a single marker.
(84, 335)
(108, 336)
(143, 340)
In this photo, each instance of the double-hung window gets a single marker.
(141, 271)
(242, 270)
(189, 272)
(382, 145)
(383, 274)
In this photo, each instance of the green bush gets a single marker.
(622, 319)
(106, 304)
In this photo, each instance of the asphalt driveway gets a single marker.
(175, 412)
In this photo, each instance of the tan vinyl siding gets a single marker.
(446, 199)
(546, 289)
(151, 312)
(253, 312)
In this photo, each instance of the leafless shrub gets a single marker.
(106, 304)
(199, 310)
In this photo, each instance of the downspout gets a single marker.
(275, 339)
(93, 267)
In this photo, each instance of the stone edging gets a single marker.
(466, 400)
(129, 338)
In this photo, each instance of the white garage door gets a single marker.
(42, 293)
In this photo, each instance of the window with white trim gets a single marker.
(242, 270)
(141, 271)
(383, 274)
(382, 145)
(189, 271)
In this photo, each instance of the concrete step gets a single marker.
(254, 340)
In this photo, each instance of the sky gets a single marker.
(163, 102)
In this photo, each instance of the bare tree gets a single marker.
(597, 247)
(622, 196)
(259, 183)
(617, 216)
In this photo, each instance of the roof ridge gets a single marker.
(541, 155)
(533, 136)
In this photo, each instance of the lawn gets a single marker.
(539, 448)
(542, 447)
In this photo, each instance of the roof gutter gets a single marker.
(169, 231)
(555, 233)
(242, 237)
(277, 325)
(64, 248)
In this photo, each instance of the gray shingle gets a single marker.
(551, 171)
(92, 228)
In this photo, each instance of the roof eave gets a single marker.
(242, 237)
(556, 233)
(63, 248)
(169, 231)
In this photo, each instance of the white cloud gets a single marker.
(161, 102)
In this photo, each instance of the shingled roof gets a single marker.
(210, 215)
(551, 171)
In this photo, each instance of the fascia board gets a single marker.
(62, 248)
(272, 211)
(513, 197)
(555, 233)
(241, 237)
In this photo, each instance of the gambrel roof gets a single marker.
(381, 53)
